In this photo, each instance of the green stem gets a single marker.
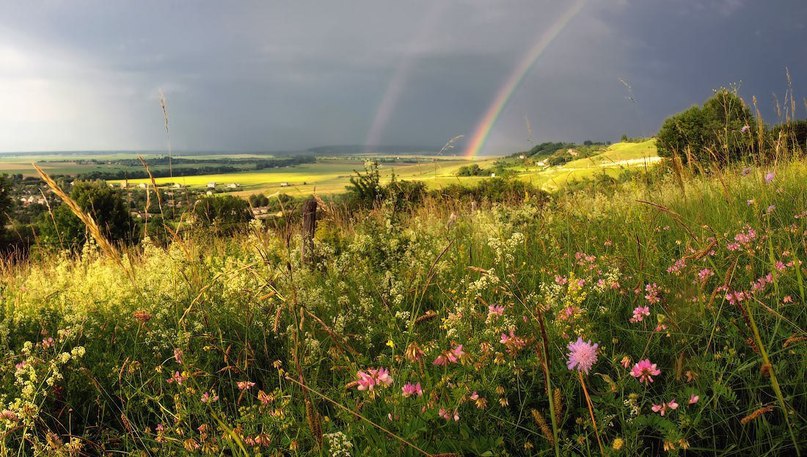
(772, 373)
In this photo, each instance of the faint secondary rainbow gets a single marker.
(398, 82)
(483, 128)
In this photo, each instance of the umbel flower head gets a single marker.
(582, 355)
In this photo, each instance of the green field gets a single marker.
(331, 175)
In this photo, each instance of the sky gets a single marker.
(289, 75)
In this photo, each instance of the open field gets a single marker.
(330, 175)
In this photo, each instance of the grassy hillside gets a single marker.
(449, 330)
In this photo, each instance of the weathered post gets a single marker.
(309, 228)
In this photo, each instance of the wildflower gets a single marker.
(178, 355)
(664, 407)
(639, 314)
(625, 362)
(780, 266)
(770, 209)
(142, 316)
(176, 378)
(693, 399)
(750, 202)
(769, 177)
(374, 377)
(676, 268)
(208, 398)
(705, 274)
(745, 129)
(452, 356)
(445, 414)
(746, 171)
(582, 355)
(245, 385)
(787, 299)
(265, 398)
(644, 370)
(495, 310)
(618, 443)
(413, 352)
(410, 389)
(652, 293)
(514, 343)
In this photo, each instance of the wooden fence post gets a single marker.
(309, 228)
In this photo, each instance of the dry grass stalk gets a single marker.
(543, 425)
(756, 414)
(558, 405)
(88, 221)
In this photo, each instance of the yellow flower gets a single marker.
(618, 443)
(391, 344)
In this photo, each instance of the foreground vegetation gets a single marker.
(661, 314)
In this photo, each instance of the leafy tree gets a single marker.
(106, 206)
(5, 207)
(223, 214)
(717, 132)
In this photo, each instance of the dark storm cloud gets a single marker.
(274, 75)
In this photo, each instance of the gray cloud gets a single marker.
(272, 75)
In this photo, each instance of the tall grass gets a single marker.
(161, 349)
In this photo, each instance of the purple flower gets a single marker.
(769, 177)
(746, 128)
(582, 355)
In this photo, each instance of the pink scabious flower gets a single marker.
(664, 407)
(410, 389)
(693, 399)
(639, 314)
(745, 129)
(582, 355)
(769, 177)
(373, 377)
(644, 370)
(245, 385)
(447, 415)
(495, 310)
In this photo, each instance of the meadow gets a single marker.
(661, 315)
(330, 175)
